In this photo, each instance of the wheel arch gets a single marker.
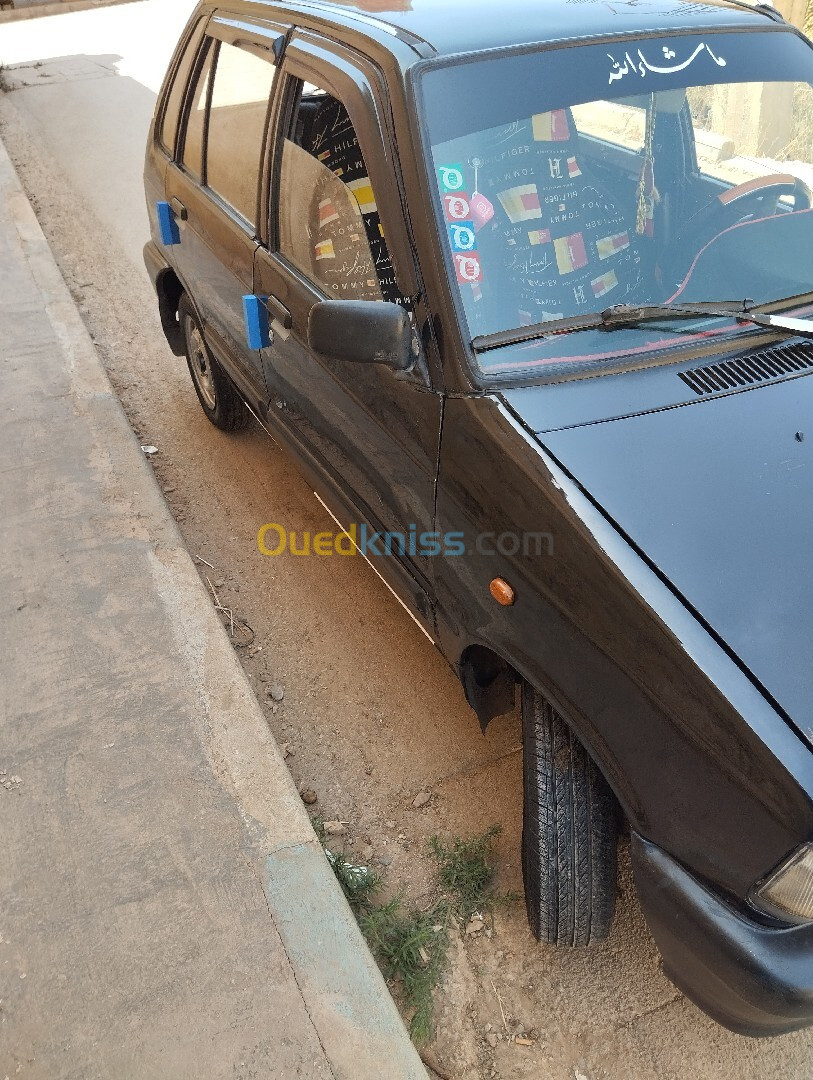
(490, 684)
(169, 288)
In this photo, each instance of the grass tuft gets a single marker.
(411, 944)
(359, 883)
(465, 870)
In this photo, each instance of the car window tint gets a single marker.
(195, 125)
(172, 113)
(329, 225)
(240, 93)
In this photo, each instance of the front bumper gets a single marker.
(754, 979)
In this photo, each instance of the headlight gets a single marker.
(788, 891)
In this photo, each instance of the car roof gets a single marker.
(463, 26)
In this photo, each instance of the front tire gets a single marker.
(569, 834)
(217, 396)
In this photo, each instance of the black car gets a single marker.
(526, 289)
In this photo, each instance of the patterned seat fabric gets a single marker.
(563, 245)
(333, 141)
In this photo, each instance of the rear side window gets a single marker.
(172, 112)
(196, 124)
(238, 111)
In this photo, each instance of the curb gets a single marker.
(359, 1027)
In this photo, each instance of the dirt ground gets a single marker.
(371, 714)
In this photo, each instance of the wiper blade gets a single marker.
(623, 316)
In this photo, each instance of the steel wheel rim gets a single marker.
(201, 364)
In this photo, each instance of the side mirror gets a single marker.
(361, 331)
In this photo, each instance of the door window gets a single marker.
(239, 106)
(172, 113)
(329, 225)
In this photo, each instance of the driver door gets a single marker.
(334, 213)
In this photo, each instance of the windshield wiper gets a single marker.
(622, 316)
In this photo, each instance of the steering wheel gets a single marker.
(755, 198)
(758, 198)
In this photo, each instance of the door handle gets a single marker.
(280, 312)
(178, 209)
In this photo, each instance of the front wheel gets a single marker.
(569, 834)
(218, 398)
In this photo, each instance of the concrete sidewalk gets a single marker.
(165, 909)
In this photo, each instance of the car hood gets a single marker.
(718, 494)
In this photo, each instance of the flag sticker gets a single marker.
(363, 191)
(539, 236)
(327, 213)
(521, 203)
(604, 284)
(551, 126)
(325, 250)
(571, 253)
(573, 169)
(609, 245)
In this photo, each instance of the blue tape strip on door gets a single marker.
(167, 225)
(255, 313)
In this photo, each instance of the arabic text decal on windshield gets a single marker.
(641, 66)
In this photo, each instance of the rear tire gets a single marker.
(217, 396)
(570, 832)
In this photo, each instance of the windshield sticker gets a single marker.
(604, 284)
(451, 177)
(620, 69)
(551, 126)
(609, 245)
(521, 203)
(571, 253)
(457, 207)
(539, 236)
(468, 268)
(462, 236)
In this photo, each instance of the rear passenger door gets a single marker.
(335, 217)
(213, 185)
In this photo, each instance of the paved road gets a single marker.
(371, 714)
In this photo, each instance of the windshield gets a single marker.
(652, 170)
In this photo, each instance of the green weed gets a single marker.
(465, 870)
(411, 944)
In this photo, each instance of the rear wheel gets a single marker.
(570, 831)
(217, 396)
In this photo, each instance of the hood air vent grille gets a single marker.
(747, 370)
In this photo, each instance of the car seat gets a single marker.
(332, 139)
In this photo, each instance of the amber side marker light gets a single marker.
(502, 592)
